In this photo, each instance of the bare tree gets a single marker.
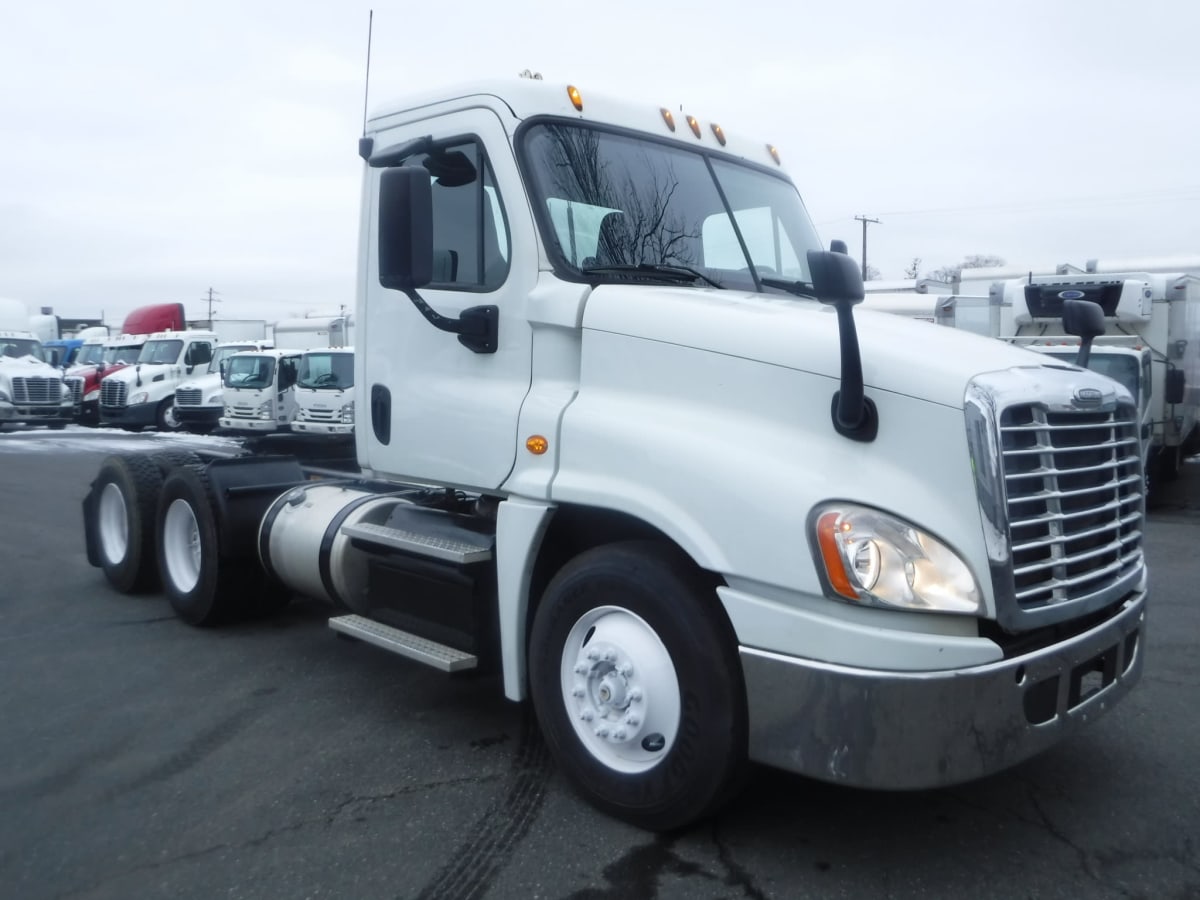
(950, 274)
(914, 269)
(872, 274)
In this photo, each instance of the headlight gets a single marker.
(266, 411)
(214, 399)
(4, 398)
(139, 397)
(872, 558)
(348, 414)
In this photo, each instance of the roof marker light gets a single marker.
(576, 97)
(694, 124)
(668, 118)
(774, 151)
(719, 132)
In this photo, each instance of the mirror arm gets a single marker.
(477, 327)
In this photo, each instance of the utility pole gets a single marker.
(865, 220)
(214, 298)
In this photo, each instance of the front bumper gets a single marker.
(140, 415)
(335, 429)
(251, 426)
(914, 730)
(198, 418)
(10, 412)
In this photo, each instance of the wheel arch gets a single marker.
(547, 538)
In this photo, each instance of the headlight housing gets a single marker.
(348, 414)
(139, 397)
(266, 410)
(870, 558)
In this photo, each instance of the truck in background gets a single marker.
(258, 391)
(116, 352)
(616, 448)
(31, 390)
(233, 331)
(314, 331)
(1157, 311)
(143, 394)
(325, 393)
(199, 402)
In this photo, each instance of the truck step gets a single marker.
(401, 642)
(462, 547)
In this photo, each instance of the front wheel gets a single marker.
(165, 418)
(636, 681)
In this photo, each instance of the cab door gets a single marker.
(430, 408)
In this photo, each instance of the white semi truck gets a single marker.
(31, 390)
(624, 441)
(143, 394)
(325, 393)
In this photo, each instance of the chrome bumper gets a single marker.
(913, 730)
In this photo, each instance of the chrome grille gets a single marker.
(321, 415)
(112, 392)
(188, 397)
(75, 383)
(1072, 483)
(37, 390)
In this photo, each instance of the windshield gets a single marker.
(90, 354)
(161, 352)
(607, 201)
(249, 371)
(326, 370)
(223, 353)
(1118, 367)
(124, 355)
(15, 348)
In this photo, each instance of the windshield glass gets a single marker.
(1118, 367)
(608, 200)
(15, 348)
(249, 371)
(89, 354)
(123, 355)
(161, 352)
(326, 370)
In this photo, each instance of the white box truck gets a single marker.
(258, 390)
(625, 442)
(200, 402)
(325, 393)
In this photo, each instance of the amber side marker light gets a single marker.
(668, 118)
(720, 133)
(694, 124)
(832, 557)
(536, 444)
(576, 97)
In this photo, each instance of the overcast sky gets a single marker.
(152, 150)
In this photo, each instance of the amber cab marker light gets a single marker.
(774, 151)
(720, 133)
(576, 97)
(668, 118)
(694, 123)
(536, 444)
(826, 539)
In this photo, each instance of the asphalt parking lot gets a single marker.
(140, 757)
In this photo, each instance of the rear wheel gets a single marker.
(637, 684)
(121, 510)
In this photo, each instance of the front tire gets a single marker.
(165, 418)
(636, 681)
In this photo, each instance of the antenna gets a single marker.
(367, 84)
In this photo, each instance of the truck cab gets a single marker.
(31, 390)
(143, 394)
(325, 393)
(199, 402)
(258, 391)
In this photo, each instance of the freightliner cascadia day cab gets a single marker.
(624, 441)
(144, 394)
(31, 389)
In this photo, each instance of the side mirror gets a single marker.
(405, 228)
(837, 281)
(1085, 320)
(1174, 388)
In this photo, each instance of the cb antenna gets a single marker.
(366, 144)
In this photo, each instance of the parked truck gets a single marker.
(1156, 312)
(143, 394)
(258, 390)
(115, 353)
(325, 393)
(200, 402)
(624, 441)
(31, 390)
(314, 331)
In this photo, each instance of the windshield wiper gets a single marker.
(654, 270)
(799, 288)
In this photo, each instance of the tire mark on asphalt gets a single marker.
(486, 851)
